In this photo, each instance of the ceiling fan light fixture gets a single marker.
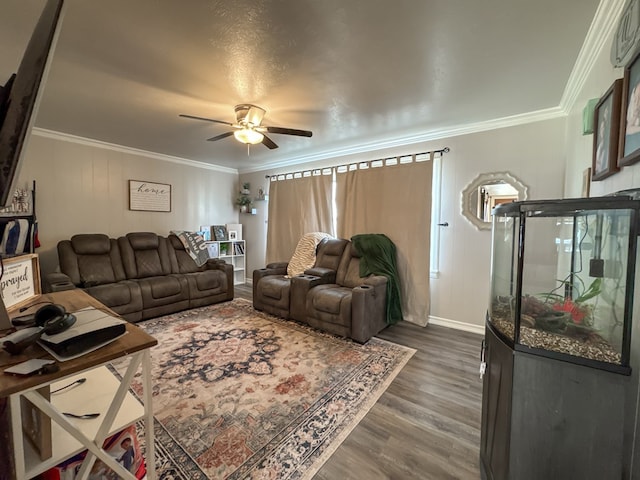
(248, 135)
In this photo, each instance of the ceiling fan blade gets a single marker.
(267, 142)
(220, 137)
(289, 131)
(206, 119)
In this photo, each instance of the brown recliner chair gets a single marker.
(272, 287)
(350, 306)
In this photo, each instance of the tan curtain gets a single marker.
(297, 206)
(394, 200)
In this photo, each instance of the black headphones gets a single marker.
(52, 318)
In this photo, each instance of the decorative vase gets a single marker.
(244, 208)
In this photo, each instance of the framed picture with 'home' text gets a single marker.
(149, 196)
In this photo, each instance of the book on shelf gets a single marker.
(238, 249)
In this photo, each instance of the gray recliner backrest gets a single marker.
(348, 274)
(144, 254)
(181, 261)
(329, 253)
(90, 259)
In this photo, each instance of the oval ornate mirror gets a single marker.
(485, 192)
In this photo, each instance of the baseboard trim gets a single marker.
(467, 327)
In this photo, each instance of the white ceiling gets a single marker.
(355, 72)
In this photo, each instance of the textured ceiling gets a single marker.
(354, 72)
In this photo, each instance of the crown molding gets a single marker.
(65, 137)
(603, 24)
(513, 120)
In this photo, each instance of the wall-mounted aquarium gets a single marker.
(562, 278)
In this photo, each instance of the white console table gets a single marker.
(107, 396)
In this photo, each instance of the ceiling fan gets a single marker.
(248, 127)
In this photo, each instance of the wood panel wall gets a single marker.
(84, 189)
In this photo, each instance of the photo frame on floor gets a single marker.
(36, 425)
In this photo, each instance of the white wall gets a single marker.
(254, 227)
(533, 153)
(580, 147)
(81, 188)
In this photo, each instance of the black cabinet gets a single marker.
(549, 419)
(561, 393)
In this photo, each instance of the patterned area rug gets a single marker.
(241, 394)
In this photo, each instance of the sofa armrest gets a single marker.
(326, 274)
(57, 282)
(227, 269)
(369, 308)
(278, 266)
(214, 263)
(300, 286)
(270, 269)
(375, 280)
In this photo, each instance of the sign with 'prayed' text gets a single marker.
(18, 280)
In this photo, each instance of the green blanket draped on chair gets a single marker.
(378, 257)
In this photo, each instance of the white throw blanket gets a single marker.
(305, 255)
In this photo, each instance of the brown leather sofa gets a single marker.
(330, 296)
(140, 275)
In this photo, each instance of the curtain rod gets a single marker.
(441, 151)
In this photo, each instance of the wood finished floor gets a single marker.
(427, 423)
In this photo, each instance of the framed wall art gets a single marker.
(149, 196)
(606, 122)
(219, 233)
(20, 281)
(36, 425)
(630, 135)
